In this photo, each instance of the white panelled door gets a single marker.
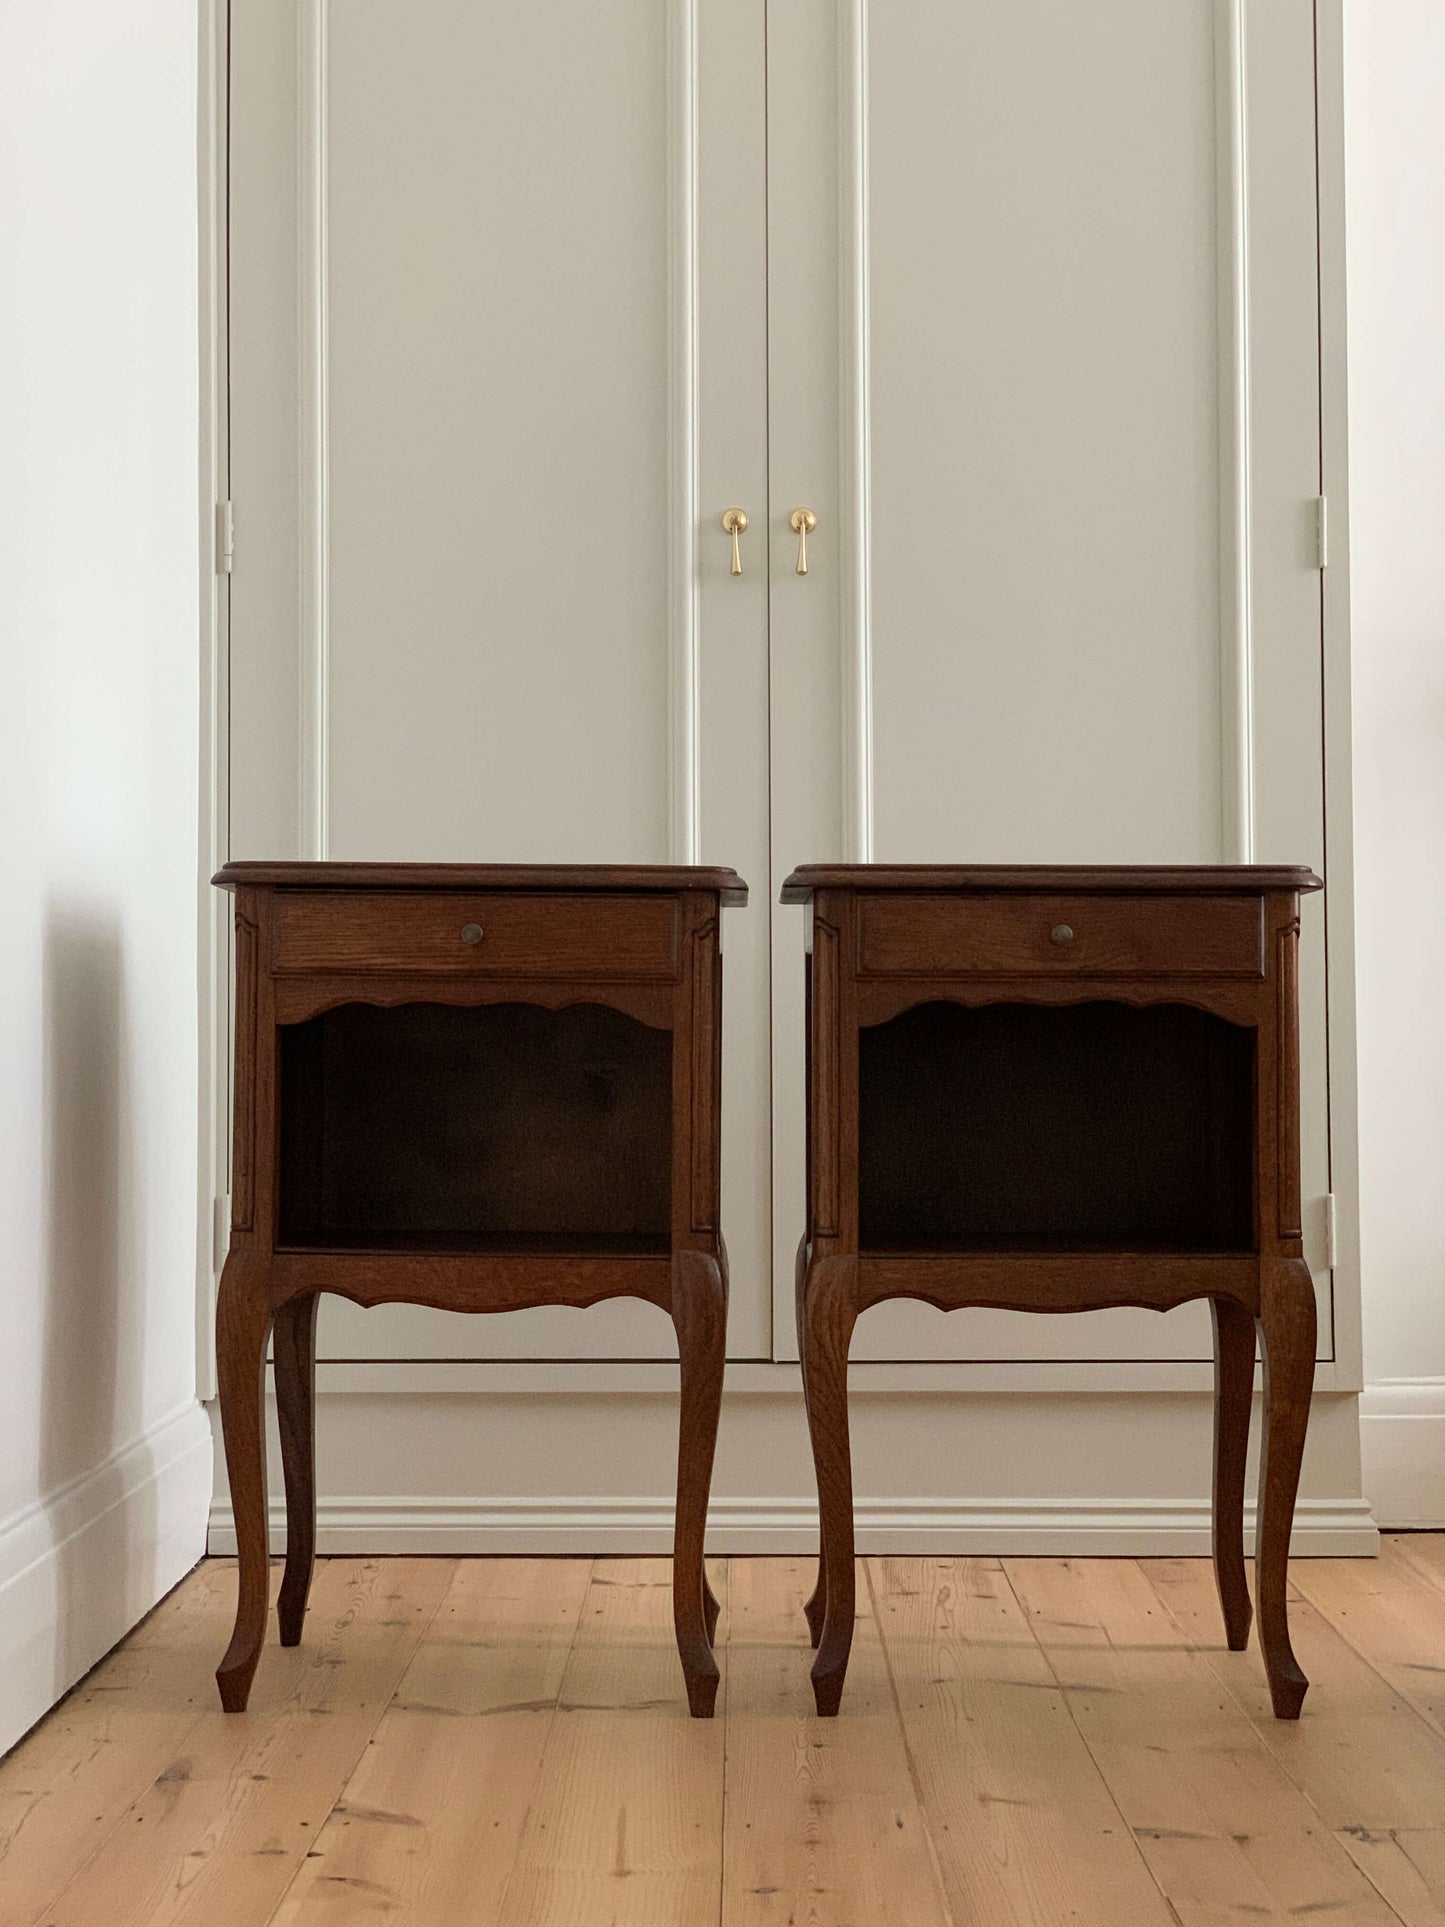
(497, 314)
(1044, 361)
(1021, 301)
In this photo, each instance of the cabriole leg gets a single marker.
(815, 1608)
(1287, 1326)
(243, 1320)
(1233, 1397)
(294, 1354)
(699, 1313)
(829, 1311)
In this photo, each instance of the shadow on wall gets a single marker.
(93, 1264)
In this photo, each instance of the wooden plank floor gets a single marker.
(1030, 1741)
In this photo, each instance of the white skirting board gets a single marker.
(81, 1566)
(1140, 1528)
(1402, 1450)
(1122, 1474)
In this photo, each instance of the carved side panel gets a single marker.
(243, 1129)
(826, 1092)
(706, 978)
(1287, 1128)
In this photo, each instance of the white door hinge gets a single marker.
(220, 1231)
(1322, 531)
(225, 538)
(1331, 1233)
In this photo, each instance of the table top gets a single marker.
(558, 878)
(1115, 879)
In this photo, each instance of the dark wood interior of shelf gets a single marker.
(1088, 1127)
(499, 1128)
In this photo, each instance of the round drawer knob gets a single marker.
(471, 933)
(1061, 933)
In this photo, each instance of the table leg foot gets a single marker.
(828, 1691)
(702, 1694)
(1287, 1327)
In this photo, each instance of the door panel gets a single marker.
(496, 273)
(499, 524)
(1061, 428)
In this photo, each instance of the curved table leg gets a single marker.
(829, 1300)
(699, 1313)
(815, 1608)
(1287, 1326)
(243, 1320)
(1233, 1397)
(294, 1355)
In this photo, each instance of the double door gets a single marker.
(1019, 303)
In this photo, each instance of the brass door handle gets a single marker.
(802, 522)
(735, 523)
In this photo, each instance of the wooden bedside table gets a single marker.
(1059, 1090)
(479, 1088)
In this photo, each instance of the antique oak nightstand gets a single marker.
(1058, 1090)
(480, 1088)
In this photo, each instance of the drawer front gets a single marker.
(586, 937)
(1090, 936)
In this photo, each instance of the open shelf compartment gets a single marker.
(1100, 1127)
(500, 1128)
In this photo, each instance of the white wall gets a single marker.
(104, 1454)
(1395, 167)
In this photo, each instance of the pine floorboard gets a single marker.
(505, 1743)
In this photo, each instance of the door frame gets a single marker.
(1343, 1371)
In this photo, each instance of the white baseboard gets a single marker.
(1130, 1528)
(1402, 1450)
(81, 1566)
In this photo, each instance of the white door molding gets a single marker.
(1236, 653)
(313, 423)
(684, 513)
(855, 466)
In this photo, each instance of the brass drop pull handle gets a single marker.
(802, 522)
(735, 523)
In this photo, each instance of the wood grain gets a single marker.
(216, 1838)
(1286, 981)
(1393, 1616)
(427, 1830)
(1137, 879)
(1425, 1551)
(501, 1741)
(913, 936)
(294, 1371)
(823, 1820)
(66, 1788)
(448, 1114)
(243, 1134)
(1406, 1868)
(1363, 1757)
(626, 1819)
(994, 1130)
(1223, 1834)
(1234, 1346)
(1025, 1828)
(665, 877)
(413, 930)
